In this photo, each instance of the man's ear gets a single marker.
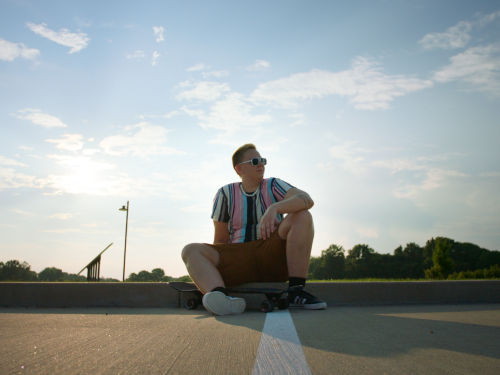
(237, 168)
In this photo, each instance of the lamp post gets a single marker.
(126, 228)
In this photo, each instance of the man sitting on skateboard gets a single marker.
(253, 242)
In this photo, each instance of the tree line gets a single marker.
(14, 270)
(440, 258)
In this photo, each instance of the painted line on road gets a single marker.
(280, 350)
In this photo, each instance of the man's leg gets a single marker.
(201, 262)
(298, 231)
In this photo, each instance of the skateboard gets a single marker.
(273, 295)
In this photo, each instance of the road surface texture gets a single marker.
(411, 339)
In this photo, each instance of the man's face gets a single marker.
(250, 171)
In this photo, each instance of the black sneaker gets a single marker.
(303, 299)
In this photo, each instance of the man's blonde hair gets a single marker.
(238, 154)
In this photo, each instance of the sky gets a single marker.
(385, 112)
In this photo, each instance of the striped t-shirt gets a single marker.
(243, 211)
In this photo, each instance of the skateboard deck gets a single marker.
(273, 295)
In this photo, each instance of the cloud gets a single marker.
(364, 84)
(490, 174)
(477, 67)
(215, 73)
(81, 164)
(259, 65)
(67, 230)
(137, 55)
(5, 161)
(435, 178)
(26, 148)
(22, 212)
(90, 151)
(9, 51)
(352, 160)
(300, 119)
(206, 91)
(156, 56)
(141, 140)
(64, 37)
(69, 142)
(454, 37)
(159, 33)
(231, 114)
(457, 36)
(198, 66)
(38, 118)
(10, 179)
(60, 216)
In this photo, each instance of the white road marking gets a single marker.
(280, 350)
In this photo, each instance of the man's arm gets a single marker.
(221, 234)
(295, 200)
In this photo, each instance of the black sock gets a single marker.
(294, 281)
(220, 289)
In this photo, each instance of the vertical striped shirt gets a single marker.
(243, 211)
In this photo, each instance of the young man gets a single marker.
(253, 242)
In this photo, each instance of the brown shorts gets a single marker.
(252, 262)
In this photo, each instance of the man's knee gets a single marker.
(303, 217)
(189, 250)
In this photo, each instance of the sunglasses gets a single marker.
(255, 161)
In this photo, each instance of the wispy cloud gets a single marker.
(457, 36)
(206, 91)
(81, 164)
(38, 118)
(477, 67)
(10, 179)
(26, 148)
(156, 56)
(454, 37)
(259, 65)
(69, 142)
(9, 51)
(159, 33)
(61, 216)
(215, 73)
(198, 66)
(366, 86)
(15, 163)
(300, 119)
(141, 140)
(136, 55)
(77, 41)
(17, 211)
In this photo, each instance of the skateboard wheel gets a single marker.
(283, 304)
(267, 306)
(191, 304)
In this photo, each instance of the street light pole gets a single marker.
(126, 228)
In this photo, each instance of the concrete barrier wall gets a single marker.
(161, 295)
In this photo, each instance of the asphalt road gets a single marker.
(423, 339)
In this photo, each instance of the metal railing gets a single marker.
(94, 267)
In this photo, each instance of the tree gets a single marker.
(359, 261)
(331, 264)
(13, 270)
(157, 274)
(443, 264)
(51, 274)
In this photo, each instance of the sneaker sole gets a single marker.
(219, 304)
(315, 306)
